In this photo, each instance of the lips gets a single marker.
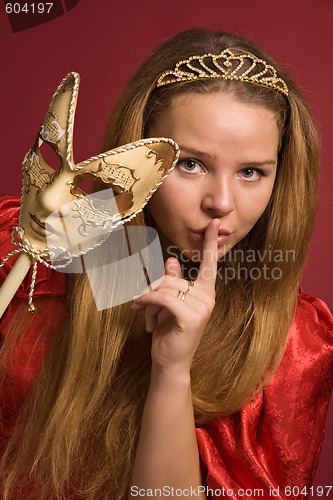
(199, 236)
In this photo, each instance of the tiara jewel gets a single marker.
(227, 65)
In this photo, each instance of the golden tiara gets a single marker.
(227, 65)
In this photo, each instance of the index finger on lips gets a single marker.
(209, 257)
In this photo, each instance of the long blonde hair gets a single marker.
(78, 430)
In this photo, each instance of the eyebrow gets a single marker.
(197, 152)
(269, 163)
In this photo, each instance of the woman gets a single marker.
(230, 386)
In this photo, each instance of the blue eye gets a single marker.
(248, 172)
(252, 174)
(189, 166)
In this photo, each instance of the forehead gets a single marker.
(220, 120)
(223, 101)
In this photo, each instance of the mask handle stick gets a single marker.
(13, 280)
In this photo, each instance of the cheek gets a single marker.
(252, 207)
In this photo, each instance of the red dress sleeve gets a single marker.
(21, 371)
(274, 442)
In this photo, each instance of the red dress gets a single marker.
(24, 367)
(275, 441)
(268, 449)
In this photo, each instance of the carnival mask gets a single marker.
(53, 202)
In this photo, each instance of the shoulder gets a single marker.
(9, 212)
(310, 339)
(305, 374)
(313, 321)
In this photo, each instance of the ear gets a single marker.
(57, 127)
(133, 171)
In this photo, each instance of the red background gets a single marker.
(105, 41)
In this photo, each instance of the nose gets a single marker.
(218, 199)
(55, 195)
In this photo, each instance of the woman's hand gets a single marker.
(167, 452)
(177, 325)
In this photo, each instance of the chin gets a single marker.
(193, 255)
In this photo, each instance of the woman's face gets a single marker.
(226, 170)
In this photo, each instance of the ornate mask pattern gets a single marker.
(54, 205)
(133, 172)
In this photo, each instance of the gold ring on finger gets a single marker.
(181, 295)
(190, 283)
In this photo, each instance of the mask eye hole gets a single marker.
(87, 184)
(48, 156)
